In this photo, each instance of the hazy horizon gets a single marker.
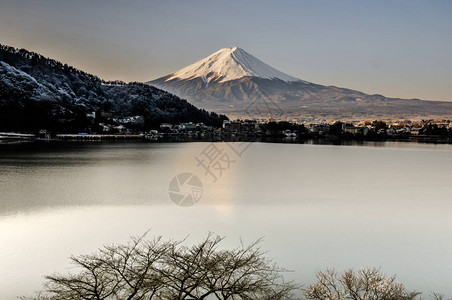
(397, 49)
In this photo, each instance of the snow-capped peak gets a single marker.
(229, 64)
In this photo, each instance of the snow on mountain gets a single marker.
(229, 64)
(15, 79)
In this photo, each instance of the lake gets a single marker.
(382, 204)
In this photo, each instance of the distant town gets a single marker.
(245, 129)
(105, 126)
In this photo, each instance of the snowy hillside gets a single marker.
(13, 80)
(37, 92)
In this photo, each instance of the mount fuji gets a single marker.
(232, 81)
(229, 64)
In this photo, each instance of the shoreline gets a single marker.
(67, 139)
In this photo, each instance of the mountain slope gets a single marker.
(37, 92)
(232, 80)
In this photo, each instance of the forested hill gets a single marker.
(41, 93)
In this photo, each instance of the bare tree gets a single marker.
(91, 282)
(243, 273)
(186, 268)
(135, 267)
(365, 284)
(157, 269)
(128, 271)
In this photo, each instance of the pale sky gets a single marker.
(395, 48)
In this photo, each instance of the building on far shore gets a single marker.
(355, 130)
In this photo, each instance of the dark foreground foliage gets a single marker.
(156, 269)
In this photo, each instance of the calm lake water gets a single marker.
(387, 205)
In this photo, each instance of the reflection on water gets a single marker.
(317, 206)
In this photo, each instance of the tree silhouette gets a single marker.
(156, 269)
